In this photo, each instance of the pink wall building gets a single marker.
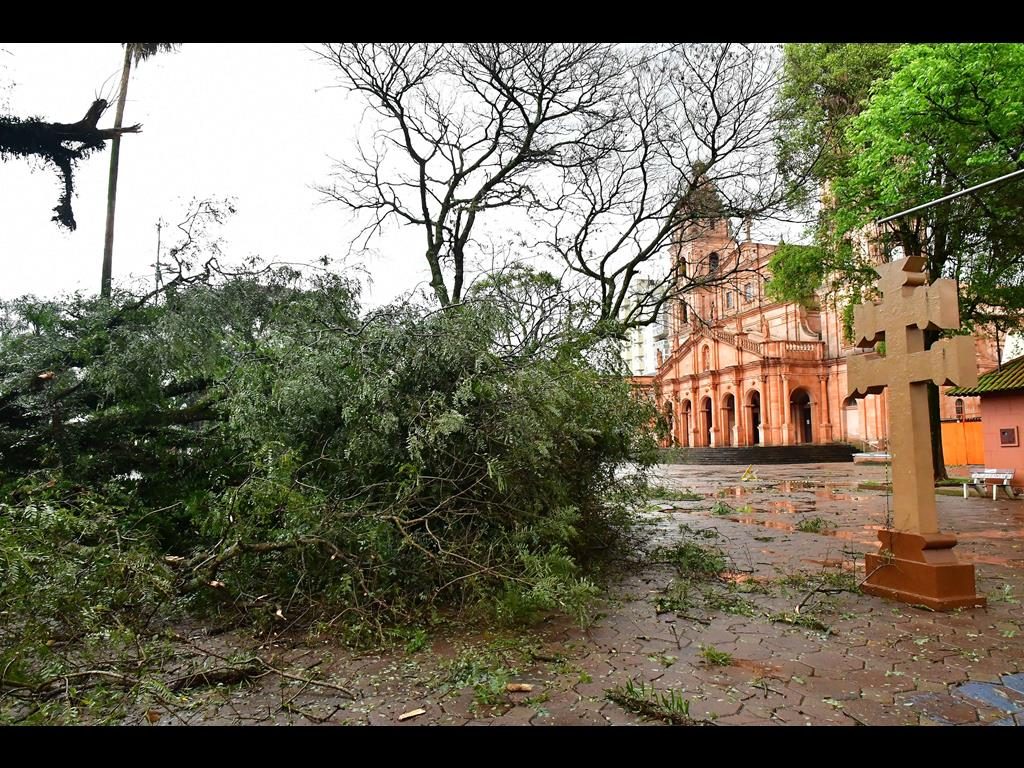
(1002, 416)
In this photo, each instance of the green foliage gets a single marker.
(675, 599)
(824, 86)
(663, 493)
(797, 272)
(692, 559)
(251, 436)
(949, 116)
(52, 143)
(486, 669)
(815, 524)
(72, 574)
(799, 620)
(729, 602)
(722, 508)
(715, 657)
(667, 706)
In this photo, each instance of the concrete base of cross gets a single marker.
(921, 569)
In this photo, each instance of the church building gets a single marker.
(736, 368)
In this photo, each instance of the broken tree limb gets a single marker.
(62, 144)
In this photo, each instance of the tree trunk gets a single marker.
(115, 151)
(934, 418)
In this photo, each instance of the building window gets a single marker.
(728, 300)
(707, 358)
(712, 262)
(748, 292)
(959, 409)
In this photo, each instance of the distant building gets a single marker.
(646, 346)
(1002, 416)
(740, 369)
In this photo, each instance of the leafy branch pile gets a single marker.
(252, 443)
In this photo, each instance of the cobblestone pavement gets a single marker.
(794, 538)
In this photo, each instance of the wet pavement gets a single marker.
(778, 638)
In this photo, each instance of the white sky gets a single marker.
(258, 122)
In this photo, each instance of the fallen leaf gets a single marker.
(518, 687)
(152, 715)
(278, 614)
(216, 583)
(411, 714)
(173, 558)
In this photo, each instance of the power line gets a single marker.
(962, 192)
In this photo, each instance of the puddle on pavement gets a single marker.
(778, 525)
(786, 506)
(858, 536)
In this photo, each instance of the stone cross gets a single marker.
(910, 307)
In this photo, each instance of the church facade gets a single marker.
(736, 368)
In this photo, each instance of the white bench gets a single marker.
(1000, 478)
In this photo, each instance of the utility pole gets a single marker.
(159, 276)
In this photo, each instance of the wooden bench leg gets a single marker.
(965, 490)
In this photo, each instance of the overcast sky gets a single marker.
(257, 122)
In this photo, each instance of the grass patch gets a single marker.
(715, 657)
(721, 508)
(647, 701)
(814, 524)
(664, 493)
(676, 599)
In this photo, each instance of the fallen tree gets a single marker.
(61, 144)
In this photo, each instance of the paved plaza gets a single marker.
(779, 637)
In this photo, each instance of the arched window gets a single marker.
(712, 262)
(748, 292)
(959, 409)
(707, 358)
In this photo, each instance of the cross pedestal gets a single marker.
(916, 563)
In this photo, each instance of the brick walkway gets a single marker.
(848, 659)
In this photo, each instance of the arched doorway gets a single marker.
(728, 419)
(705, 427)
(800, 413)
(755, 418)
(687, 425)
(851, 417)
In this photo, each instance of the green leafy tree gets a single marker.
(824, 86)
(948, 116)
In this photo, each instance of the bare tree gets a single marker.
(615, 152)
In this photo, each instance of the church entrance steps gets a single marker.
(772, 454)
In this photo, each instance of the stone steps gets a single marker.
(774, 454)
